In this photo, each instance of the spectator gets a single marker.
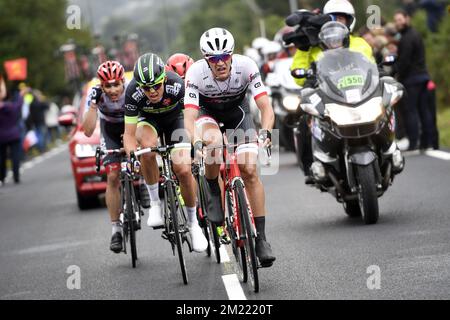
(51, 121)
(10, 139)
(412, 72)
(435, 12)
(36, 120)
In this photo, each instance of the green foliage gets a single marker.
(35, 30)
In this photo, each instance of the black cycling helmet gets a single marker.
(149, 70)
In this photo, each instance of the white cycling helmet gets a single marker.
(341, 6)
(216, 41)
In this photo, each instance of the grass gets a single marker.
(444, 127)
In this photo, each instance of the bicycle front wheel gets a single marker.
(249, 241)
(130, 218)
(174, 215)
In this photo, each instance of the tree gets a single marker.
(35, 30)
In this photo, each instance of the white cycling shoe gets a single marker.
(199, 242)
(155, 218)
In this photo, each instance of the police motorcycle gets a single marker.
(352, 124)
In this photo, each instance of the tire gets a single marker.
(238, 251)
(210, 228)
(86, 202)
(249, 241)
(368, 197)
(131, 217)
(352, 208)
(174, 214)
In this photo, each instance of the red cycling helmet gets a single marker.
(179, 63)
(110, 71)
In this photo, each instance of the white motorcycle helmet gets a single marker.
(259, 43)
(216, 41)
(341, 6)
(272, 47)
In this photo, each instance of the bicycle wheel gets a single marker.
(249, 240)
(236, 245)
(174, 215)
(210, 228)
(130, 218)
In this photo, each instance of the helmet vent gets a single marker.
(224, 44)
(210, 45)
(217, 43)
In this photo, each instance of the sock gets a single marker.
(153, 191)
(260, 223)
(192, 215)
(214, 186)
(116, 227)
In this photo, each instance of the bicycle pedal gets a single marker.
(164, 236)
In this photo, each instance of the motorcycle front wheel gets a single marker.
(367, 195)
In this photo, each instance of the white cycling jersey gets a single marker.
(204, 91)
(110, 111)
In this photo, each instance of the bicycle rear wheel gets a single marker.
(249, 241)
(178, 241)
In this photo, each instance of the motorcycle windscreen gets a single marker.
(346, 76)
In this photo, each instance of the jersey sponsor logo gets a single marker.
(191, 85)
(138, 95)
(173, 90)
(192, 95)
(258, 85)
(209, 86)
(131, 107)
(254, 76)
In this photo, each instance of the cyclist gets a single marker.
(179, 63)
(215, 89)
(108, 102)
(334, 10)
(154, 106)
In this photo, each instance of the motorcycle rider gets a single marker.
(334, 10)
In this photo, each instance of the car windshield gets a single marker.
(347, 76)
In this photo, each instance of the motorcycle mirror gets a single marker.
(299, 73)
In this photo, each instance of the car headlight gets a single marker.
(85, 150)
(291, 103)
(365, 113)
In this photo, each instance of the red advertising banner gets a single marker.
(16, 70)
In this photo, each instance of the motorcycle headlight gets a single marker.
(85, 150)
(291, 102)
(365, 113)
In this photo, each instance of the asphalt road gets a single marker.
(321, 254)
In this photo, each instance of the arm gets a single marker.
(129, 137)
(90, 115)
(2, 89)
(90, 120)
(190, 115)
(301, 61)
(267, 114)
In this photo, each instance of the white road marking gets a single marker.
(438, 154)
(233, 287)
(224, 257)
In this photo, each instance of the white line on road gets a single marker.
(224, 257)
(233, 287)
(438, 154)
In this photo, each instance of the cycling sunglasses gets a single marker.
(216, 58)
(155, 87)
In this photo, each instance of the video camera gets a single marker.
(308, 24)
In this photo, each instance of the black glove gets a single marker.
(265, 134)
(198, 147)
(96, 94)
